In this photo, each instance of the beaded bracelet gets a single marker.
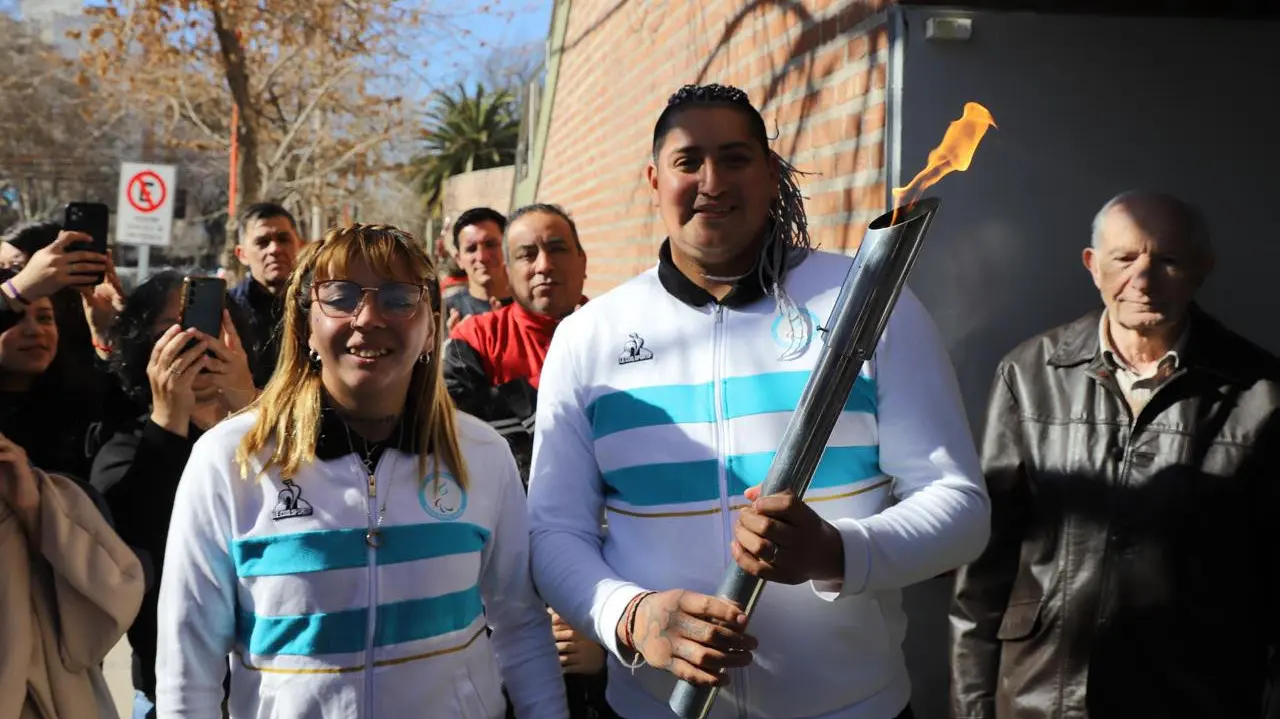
(628, 631)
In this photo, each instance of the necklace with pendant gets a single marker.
(373, 536)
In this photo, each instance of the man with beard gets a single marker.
(477, 244)
(268, 247)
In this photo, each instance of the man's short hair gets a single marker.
(545, 208)
(475, 216)
(1181, 213)
(264, 211)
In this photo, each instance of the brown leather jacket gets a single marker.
(1131, 571)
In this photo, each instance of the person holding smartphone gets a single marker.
(51, 394)
(351, 538)
(188, 381)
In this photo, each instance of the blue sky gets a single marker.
(445, 55)
(474, 29)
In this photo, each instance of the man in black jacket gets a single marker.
(269, 246)
(1131, 459)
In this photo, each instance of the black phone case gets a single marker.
(203, 300)
(91, 218)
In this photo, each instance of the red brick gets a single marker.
(614, 82)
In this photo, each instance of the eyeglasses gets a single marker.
(343, 298)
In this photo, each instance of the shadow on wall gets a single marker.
(801, 67)
(818, 75)
(599, 23)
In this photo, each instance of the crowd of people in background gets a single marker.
(395, 485)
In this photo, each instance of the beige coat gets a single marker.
(63, 605)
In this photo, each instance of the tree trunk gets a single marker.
(248, 171)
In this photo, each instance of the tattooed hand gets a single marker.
(691, 635)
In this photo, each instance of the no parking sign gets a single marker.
(145, 209)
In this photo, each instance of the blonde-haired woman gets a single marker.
(350, 535)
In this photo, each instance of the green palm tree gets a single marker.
(465, 132)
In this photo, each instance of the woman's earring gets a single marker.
(314, 359)
(424, 358)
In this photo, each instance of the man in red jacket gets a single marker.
(493, 362)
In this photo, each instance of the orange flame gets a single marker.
(955, 153)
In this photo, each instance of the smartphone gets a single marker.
(203, 300)
(91, 218)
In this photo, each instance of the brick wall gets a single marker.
(482, 188)
(816, 67)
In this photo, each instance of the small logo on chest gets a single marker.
(793, 332)
(634, 350)
(289, 503)
(442, 497)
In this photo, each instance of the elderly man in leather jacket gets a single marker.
(1131, 461)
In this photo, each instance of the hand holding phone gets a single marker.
(203, 300)
(56, 267)
(92, 219)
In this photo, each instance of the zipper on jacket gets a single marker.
(372, 621)
(722, 456)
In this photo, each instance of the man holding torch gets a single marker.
(661, 406)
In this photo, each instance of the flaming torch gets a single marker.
(850, 335)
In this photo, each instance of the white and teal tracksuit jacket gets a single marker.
(660, 413)
(322, 626)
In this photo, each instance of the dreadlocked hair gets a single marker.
(789, 242)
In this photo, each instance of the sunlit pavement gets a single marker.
(119, 678)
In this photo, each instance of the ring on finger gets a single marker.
(769, 554)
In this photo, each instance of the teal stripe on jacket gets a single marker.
(323, 550)
(695, 403)
(649, 485)
(780, 392)
(345, 632)
(650, 406)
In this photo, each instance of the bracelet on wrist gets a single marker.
(629, 620)
(15, 294)
(628, 632)
(101, 347)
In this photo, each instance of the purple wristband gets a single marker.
(16, 294)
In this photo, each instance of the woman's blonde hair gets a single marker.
(290, 407)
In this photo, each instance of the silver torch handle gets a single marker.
(850, 336)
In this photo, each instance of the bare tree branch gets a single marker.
(195, 119)
(287, 140)
(344, 159)
(270, 74)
